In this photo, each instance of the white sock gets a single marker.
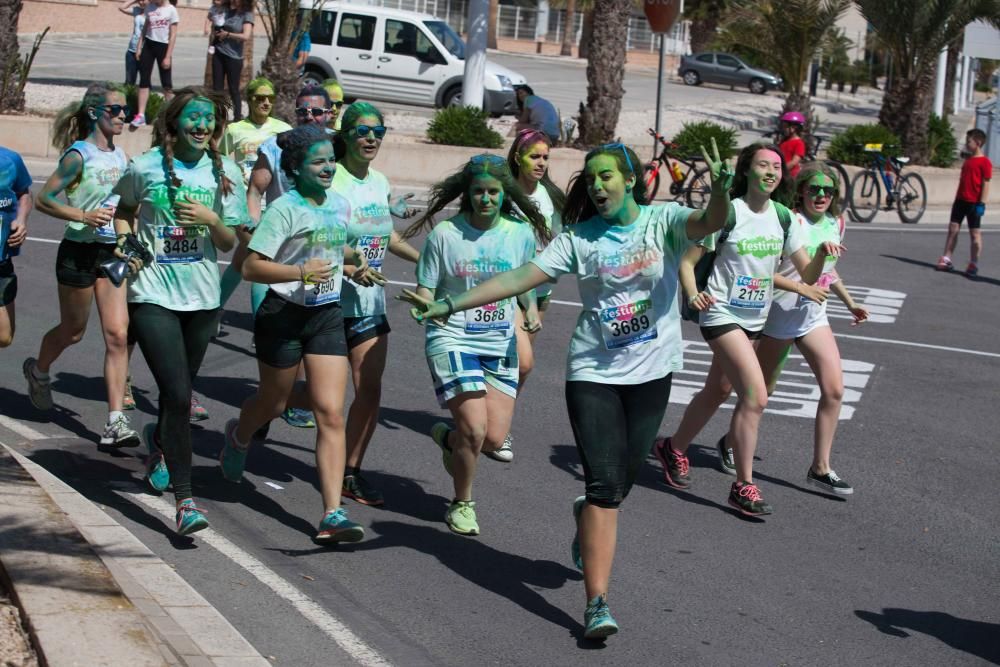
(114, 415)
(38, 375)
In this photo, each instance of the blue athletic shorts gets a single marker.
(457, 373)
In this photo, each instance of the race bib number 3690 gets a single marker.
(179, 245)
(750, 292)
(628, 324)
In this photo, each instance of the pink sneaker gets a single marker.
(198, 411)
(944, 264)
(138, 120)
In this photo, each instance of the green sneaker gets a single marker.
(727, 463)
(336, 527)
(598, 620)
(157, 474)
(190, 519)
(439, 434)
(232, 458)
(461, 517)
(574, 549)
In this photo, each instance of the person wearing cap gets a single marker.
(537, 113)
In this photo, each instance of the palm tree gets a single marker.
(11, 93)
(914, 34)
(568, 32)
(704, 16)
(491, 31)
(605, 72)
(281, 23)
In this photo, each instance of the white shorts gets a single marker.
(457, 373)
(790, 319)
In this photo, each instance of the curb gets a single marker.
(157, 612)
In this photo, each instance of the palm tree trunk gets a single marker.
(605, 72)
(906, 110)
(568, 32)
(494, 17)
(10, 57)
(585, 35)
(949, 82)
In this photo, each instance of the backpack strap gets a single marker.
(785, 218)
(728, 228)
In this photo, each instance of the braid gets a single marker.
(173, 183)
(225, 185)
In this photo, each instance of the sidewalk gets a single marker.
(91, 593)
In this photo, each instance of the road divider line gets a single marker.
(311, 610)
(22, 430)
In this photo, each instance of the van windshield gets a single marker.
(448, 37)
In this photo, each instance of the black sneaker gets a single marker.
(676, 469)
(829, 482)
(727, 463)
(747, 500)
(357, 488)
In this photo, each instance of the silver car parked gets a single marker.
(726, 69)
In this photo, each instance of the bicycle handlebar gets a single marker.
(659, 137)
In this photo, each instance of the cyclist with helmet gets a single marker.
(793, 146)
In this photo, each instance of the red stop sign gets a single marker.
(661, 13)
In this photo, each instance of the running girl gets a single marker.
(473, 356)
(733, 309)
(88, 169)
(627, 342)
(528, 161)
(299, 250)
(15, 204)
(189, 201)
(369, 231)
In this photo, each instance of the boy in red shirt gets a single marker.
(970, 202)
(793, 147)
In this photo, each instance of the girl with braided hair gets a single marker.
(87, 170)
(189, 201)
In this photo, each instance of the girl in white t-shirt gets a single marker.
(734, 307)
(156, 45)
(627, 343)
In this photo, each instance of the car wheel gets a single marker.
(312, 77)
(691, 78)
(453, 97)
(758, 87)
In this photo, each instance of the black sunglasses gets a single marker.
(337, 105)
(817, 190)
(114, 110)
(263, 98)
(362, 130)
(315, 111)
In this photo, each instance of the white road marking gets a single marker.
(943, 348)
(22, 430)
(882, 305)
(274, 486)
(330, 625)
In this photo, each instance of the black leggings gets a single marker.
(223, 65)
(154, 52)
(614, 426)
(173, 343)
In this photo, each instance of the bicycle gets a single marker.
(812, 150)
(906, 193)
(687, 181)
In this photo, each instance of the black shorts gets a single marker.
(359, 329)
(8, 283)
(541, 301)
(284, 332)
(79, 264)
(962, 210)
(711, 333)
(154, 53)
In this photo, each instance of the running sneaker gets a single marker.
(128, 400)
(157, 475)
(198, 411)
(336, 527)
(461, 517)
(439, 434)
(299, 418)
(676, 469)
(944, 264)
(727, 463)
(358, 489)
(747, 500)
(830, 482)
(972, 270)
(39, 389)
(190, 519)
(574, 548)
(597, 619)
(119, 433)
(505, 453)
(138, 120)
(232, 458)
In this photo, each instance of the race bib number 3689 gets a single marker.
(628, 324)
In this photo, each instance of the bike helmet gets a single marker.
(794, 117)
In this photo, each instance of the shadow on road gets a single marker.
(932, 265)
(17, 406)
(973, 637)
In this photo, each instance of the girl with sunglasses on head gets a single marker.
(473, 355)
(299, 250)
(733, 309)
(528, 160)
(188, 200)
(369, 231)
(87, 171)
(627, 343)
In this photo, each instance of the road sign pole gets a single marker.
(659, 87)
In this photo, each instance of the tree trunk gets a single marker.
(10, 57)
(491, 30)
(906, 110)
(585, 35)
(703, 32)
(605, 72)
(569, 19)
(279, 67)
(949, 82)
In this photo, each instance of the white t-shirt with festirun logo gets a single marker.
(159, 18)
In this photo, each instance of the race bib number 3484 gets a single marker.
(628, 324)
(179, 245)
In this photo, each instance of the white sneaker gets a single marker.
(505, 454)
(119, 434)
(138, 120)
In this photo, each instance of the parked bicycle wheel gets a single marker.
(845, 180)
(699, 189)
(652, 177)
(865, 195)
(912, 202)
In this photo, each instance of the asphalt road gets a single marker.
(904, 572)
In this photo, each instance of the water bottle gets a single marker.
(676, 173)
(108, 231)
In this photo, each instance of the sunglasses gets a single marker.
(263, 98)
(613, 147)
(315, 111)
(115, 109)
(337, 105)
(817, 191)
(362, 131)
(487, 158)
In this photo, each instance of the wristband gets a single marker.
(451, 304)
(691, 301)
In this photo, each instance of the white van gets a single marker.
(377, 53)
